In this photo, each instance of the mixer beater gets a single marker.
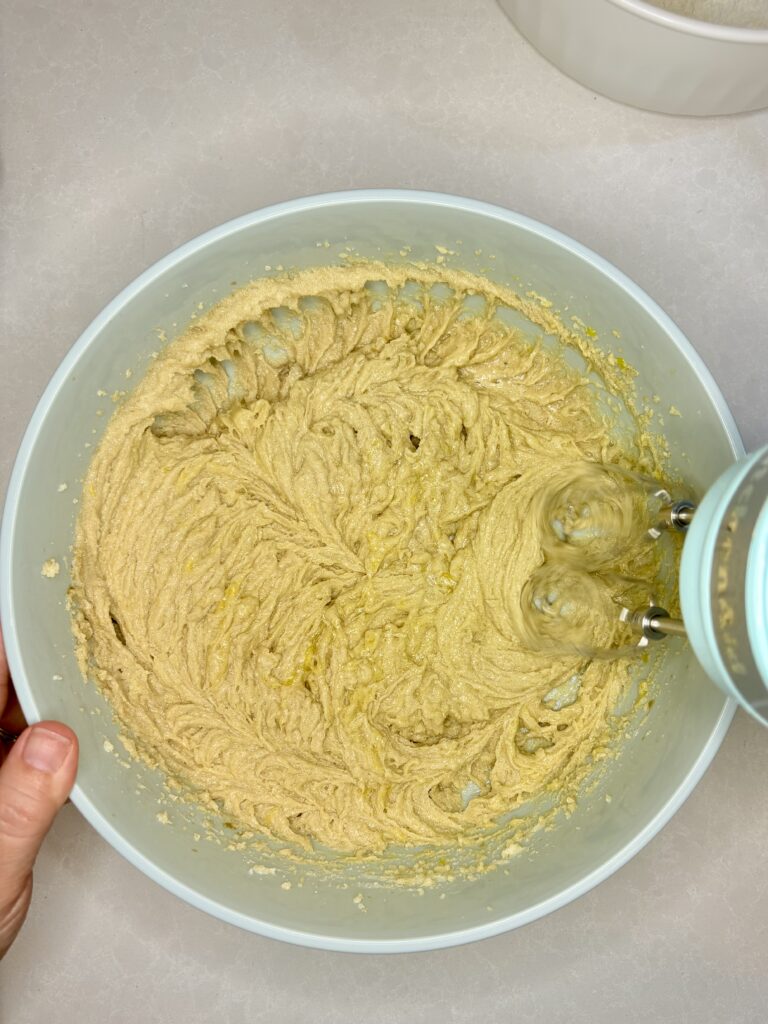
(595, 513)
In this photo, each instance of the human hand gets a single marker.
(35, 779)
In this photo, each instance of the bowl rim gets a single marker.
(687, 25)
(25, 691)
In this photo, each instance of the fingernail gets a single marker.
(45, 750)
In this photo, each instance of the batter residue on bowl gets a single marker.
(302, 552)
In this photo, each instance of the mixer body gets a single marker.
(724, 583)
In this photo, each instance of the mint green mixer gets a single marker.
(724, 584)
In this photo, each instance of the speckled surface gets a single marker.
(129, 127)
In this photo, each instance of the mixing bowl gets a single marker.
(648, 57)
(659, 764)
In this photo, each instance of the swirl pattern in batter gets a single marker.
(302, 553)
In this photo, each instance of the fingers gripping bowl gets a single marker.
(659, 764)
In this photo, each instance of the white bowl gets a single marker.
(639, 54)
(659, 766)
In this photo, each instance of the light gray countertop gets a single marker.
(129, 126)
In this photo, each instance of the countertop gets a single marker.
(129, 126)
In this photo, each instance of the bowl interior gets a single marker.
(658, 766)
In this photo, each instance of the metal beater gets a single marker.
(723, 582)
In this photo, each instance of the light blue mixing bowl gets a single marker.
(659, 765)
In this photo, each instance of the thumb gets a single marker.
(35, 780)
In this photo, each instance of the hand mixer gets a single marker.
(723, 582)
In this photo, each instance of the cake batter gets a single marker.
(306, 548)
